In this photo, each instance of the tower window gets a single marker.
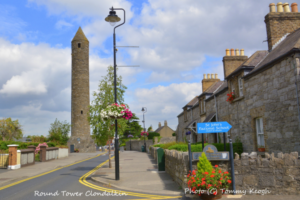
(79, 45)
(81, 112)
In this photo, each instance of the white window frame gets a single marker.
(240, 83)
(232, 88)
(260, 132)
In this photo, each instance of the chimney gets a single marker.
(286, 7)
(166, 124)
(204, 76)
(279, 7)
(230, 63)
(211, 79)
(272, 7)
(227, 52)
(159, 124)
(294, 7)
(281, 22)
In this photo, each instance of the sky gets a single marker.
(179, 41)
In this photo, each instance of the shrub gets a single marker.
(152, 134)
(173, 134)
(204, 165)
(51, 144)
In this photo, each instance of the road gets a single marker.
(64, 184)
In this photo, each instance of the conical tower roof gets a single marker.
(80, 35)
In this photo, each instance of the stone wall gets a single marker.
(136, 145)
(279, 175)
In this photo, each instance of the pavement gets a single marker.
(9, 176)
(138, 172)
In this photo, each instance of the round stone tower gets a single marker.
(80, 129)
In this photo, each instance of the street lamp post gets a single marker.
(144, 110)
(112, 18)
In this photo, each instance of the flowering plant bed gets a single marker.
(116, 111)
(144, 133)
(207, 181)
(230, 97)
(37, 149)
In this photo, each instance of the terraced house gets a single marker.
(265, 110)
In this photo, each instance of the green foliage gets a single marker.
(152, 134)
(158, 140)
(204, 165)
(173, 134)
(10, 130)
(37, 157)
(237, 147)
(158, 145)
(39, 139)
(59, 131)
(103, 130)
(184, 147)
(51, 144)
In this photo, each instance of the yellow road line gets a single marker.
(83, 181)
(27, 179)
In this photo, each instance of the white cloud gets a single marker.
(61, 23)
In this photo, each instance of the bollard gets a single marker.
(190, 155)
(232, 165)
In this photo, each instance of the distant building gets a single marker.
(164, 131)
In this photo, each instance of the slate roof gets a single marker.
(192, 102)
(290, 44)
(209, 117)
(255, 59)
(214, 87)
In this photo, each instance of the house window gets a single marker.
(232, 87)
(203, 106)
(185, 115)
(240, 85)
(260, 133)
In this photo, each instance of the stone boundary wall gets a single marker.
(136, 145)
(153, 152)
(277, 175)
(165, 140)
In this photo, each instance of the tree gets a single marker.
(133, 127)
(103, 130)
(10, 129)
(59, 131)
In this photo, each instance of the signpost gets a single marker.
(213, 127)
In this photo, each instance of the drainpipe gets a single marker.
(216, 115)
(296, 85)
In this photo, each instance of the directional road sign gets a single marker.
(213, 127)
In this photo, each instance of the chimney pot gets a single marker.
(286, 7)
(216, 76)
(272, 7)
(212, 76)
(208, 76)
(294, 7)
(237, 52)
(232, 52)
(166, 124)
(159, 124)
(279, 7)
(227, 52)
(242, 52)
(204, 76)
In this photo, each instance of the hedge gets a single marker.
(237, 147)
(22, 145)
(152, 134)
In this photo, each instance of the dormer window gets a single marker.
(232, 87)
(79, 45)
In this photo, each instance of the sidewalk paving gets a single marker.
(10, 176)
(138, 172)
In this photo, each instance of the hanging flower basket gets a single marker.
(116, 111)
(144, 133)
(230, 97)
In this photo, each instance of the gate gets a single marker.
(3, 159)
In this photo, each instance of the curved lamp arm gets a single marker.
(124, 17)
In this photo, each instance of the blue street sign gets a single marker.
(213, 127)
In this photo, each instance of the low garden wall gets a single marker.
(275, 175)
(164, 140)
(63, 152)
(26, 157)
(136, 145)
